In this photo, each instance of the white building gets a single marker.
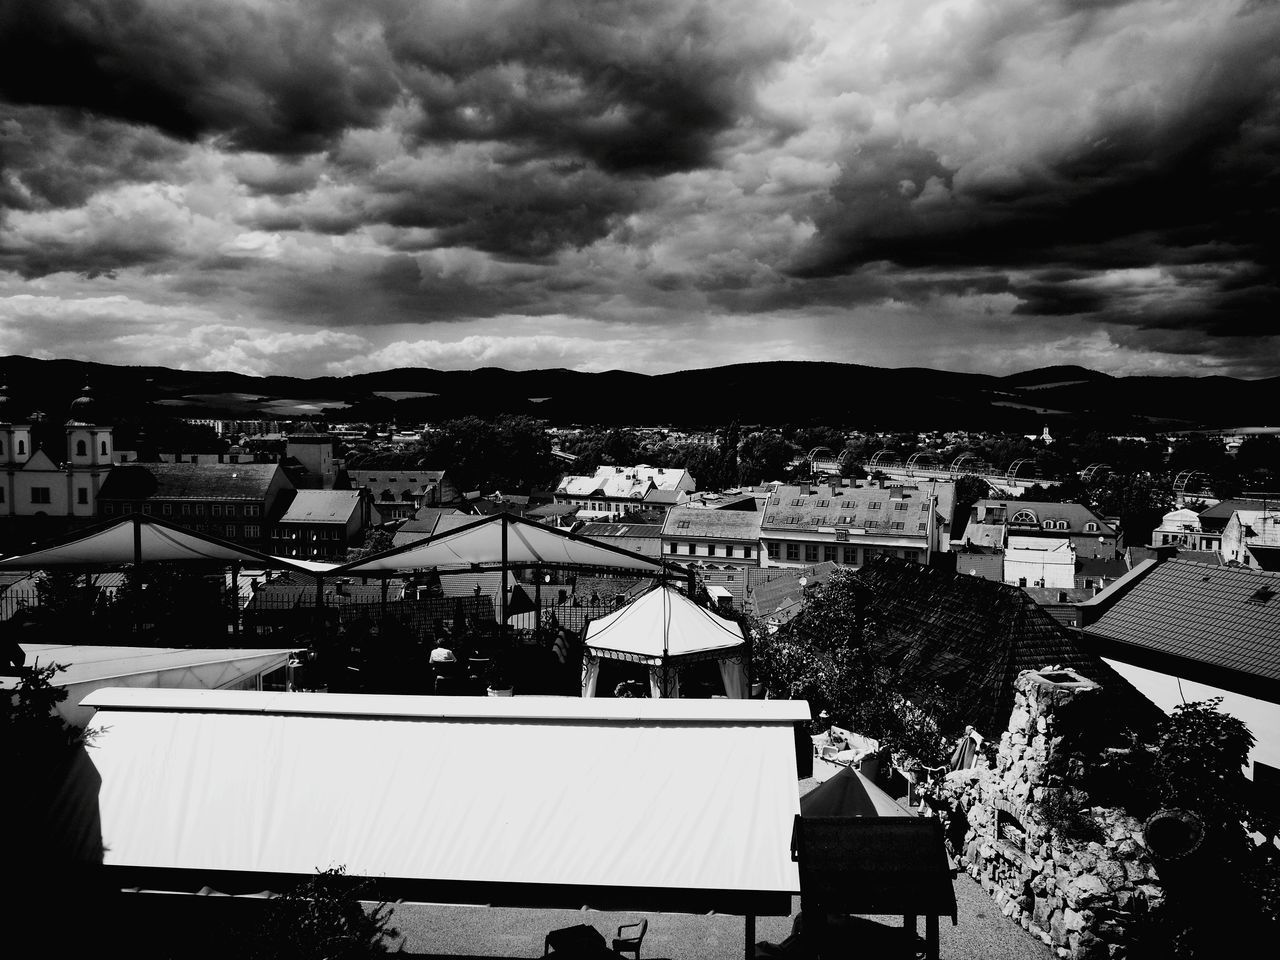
(1252, 537)
(615, 490)
(1040, 562)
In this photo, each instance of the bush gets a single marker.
(323, 919)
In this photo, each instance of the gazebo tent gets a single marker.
(500, 542)
(850, 794)
(665, 630)
(241, 791)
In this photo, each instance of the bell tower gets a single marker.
(90, 448)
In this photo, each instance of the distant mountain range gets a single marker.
(859, 397)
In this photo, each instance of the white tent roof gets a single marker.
(89, 668)
(662, 622)
(528, 544)
(656, 804)
(140, 537)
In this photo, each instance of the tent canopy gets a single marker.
(662, 623)
(681, 806)
(139, 538)
(482, 543)
(850, 794)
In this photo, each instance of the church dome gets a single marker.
(6, 408)
(84, 409)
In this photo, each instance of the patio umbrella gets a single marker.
(850, 794)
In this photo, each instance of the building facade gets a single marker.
(712, 538)
(322, 524)
(992, 522)
(613, 491)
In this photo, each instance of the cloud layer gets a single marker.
(322, 186)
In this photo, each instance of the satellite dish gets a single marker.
(804, 581)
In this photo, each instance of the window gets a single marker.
(146, 508)
(829, 554)
(1090, 527)
(728, 549)
(810, 553)
(1024, 516)
(711, 549)
(746, 553)
(1, 494)
(1022, 581)
(199, 509)
(22, 446)
(874, 505)
(167, 509)
(872, 524)
(128, 508)
(216, 509)
(897, 525)
(80, 449)
(924, 507)
(108, 510)
(851, 555)
(251, 531)
(824, 503)
(230, 509)
(229, 531)
(842, 535)
(82, 496)
(772, 548)
(900, 505)
(40, 495)
(922, 527)
(797, 502)
(104, 448)
(682, 525)
(186, 509)
(793, 551)
(692, 549)
(251, 510)
(673, 548)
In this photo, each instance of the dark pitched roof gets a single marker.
(322, 506)
(189, 481)
(974, 637)
(1223, 622)
(651, 531)
(1076, 515)
(776, 593)
(796, 508)
(1214, 519)
(1100, 567)
(714, 524)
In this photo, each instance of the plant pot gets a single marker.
(503, 692)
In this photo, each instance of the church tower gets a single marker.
(15, 450)
(90, 448)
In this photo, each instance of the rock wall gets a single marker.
(1077, 882)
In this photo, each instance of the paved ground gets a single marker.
(440, 931)
(434, 931)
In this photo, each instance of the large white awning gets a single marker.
(684, 806)
(141, 539)
(491, 541)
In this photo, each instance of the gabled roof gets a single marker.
(662, 623)
(189, 481)
(322, 506)
(1214, 519)
(712, 524)
(802, 508)
(777, 594)
(974, 636)
(650, 531)
(1221, 622)
(1076, 515)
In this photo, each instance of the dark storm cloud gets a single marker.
(630, 86)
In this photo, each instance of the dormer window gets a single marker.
(1090, 527)
(1025, 517)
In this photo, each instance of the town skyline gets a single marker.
(334, 189)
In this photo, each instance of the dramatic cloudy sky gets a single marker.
(309, 186)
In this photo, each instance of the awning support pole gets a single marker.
(502, 587)
(235, 599)
(749, 947)
(137, 570)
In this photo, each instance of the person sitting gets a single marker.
(442, 653)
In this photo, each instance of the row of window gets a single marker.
(816, 552)
(44, 495)
(713, 550)
(328, 534)
(82, 448)
(871, 504)
(228, 510)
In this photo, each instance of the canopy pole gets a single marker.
(235, 599)
(137, 569)
(503, 586)
(384, 596)
(319, 609)
(537, 596)
(749, 947)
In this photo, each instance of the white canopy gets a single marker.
(682, 806)
(140, 538)
(662, 628)
(502, 538)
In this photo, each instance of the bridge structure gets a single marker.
(928, 465)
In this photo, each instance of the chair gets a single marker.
(631, 942)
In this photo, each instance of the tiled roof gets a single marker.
(189, 481)
(647, 530)
(988, 566)
(975, 636)
(716, 524)
(1076, 515)
(796, 508)
(776, 593)
(322, 506)
(1226, 619)
(1100, 567)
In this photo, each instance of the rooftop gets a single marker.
(322, 506)
(717, 524)
(189, 481)
(1224, 618)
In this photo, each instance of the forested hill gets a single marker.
(772, 392)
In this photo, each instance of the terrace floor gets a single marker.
(431, 930)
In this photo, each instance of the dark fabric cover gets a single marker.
(849, 794)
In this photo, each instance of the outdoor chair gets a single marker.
(631, 942)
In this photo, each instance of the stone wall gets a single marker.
(1076, 882)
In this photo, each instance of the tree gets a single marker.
(1139, 500)
(828, 655)
(764, 456)
(508, 453)
(376, 540)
